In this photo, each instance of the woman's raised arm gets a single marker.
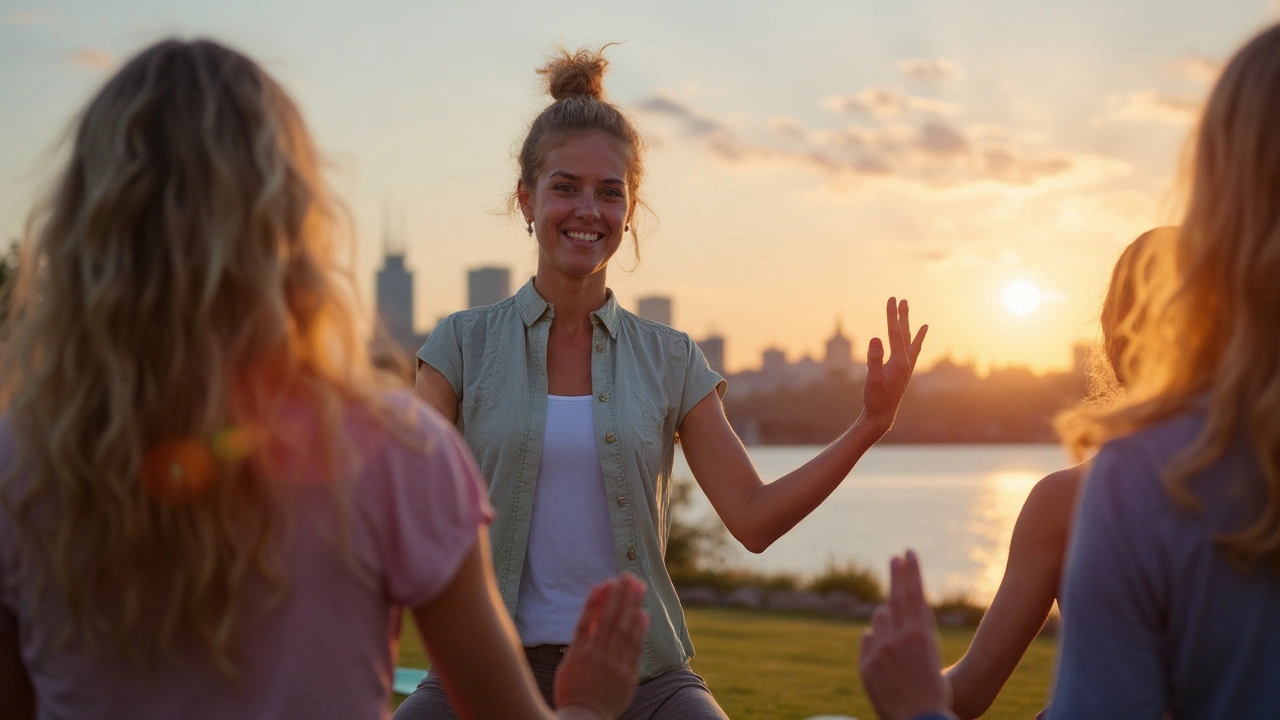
(757, 513)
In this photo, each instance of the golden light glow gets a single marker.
(1022, 297)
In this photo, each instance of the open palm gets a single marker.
(887, 381)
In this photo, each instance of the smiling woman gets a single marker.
(572, 406)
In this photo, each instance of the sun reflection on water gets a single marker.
(994, 514)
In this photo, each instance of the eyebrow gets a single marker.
(575, 178)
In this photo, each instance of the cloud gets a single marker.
(787, 127)
(717, 137)
(26, 17)
(1151, 106)
(882, 102)
(943, 140)
(91, 59)
(965, 256)
(930, 69)
(932, 154)
(1197, 68)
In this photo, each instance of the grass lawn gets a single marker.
(767, 666)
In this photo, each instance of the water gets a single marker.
(954, 504)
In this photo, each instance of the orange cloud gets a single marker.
(932, 155)
(27, 17)
(930, 69)
(92, 59)
(1198, 68)
(1151, 106)
(882, 102)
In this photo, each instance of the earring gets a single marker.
(530, 228)
(627, 229)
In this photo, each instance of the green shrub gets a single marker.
(959, 611)
(849, 577)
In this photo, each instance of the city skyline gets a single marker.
(394, 291)
(987, 161)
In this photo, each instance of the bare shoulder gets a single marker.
(1057, 491)
(1047, 513)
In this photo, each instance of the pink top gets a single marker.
(323, 652)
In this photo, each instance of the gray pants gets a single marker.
(677, 695)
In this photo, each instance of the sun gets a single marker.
(1022, 297)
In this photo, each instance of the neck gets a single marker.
(575, 298)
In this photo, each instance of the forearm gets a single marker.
(972, 692)
(772, 509)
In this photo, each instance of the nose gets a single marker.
(587, 209)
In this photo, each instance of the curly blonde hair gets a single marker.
(178, 287)
(1202, 329)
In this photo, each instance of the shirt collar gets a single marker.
(532, 307)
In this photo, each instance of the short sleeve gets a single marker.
(435, 505)
(443, 351)
(1109, 663)
(699, 381)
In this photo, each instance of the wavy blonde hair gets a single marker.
(179, 285)
(1202, 332)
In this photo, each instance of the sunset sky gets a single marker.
(808, 159)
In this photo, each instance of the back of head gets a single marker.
(1118, 318)
(177, 282)
(1211, 307)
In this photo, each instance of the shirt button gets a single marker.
(604, 397)
(631, 553)
(610, 437)
(622, 501)
(599, 347)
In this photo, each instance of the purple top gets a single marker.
(1154, 616)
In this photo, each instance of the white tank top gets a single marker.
(570, 538)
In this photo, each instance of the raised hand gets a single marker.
(887, 381)
(899, 659)
(600, 669)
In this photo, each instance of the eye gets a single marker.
(614, 193)
(562, 187)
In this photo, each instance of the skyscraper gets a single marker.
(488, 285)
(395, 297)
(839, 357)
(712, 348)
(656, 308)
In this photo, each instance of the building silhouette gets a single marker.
(395, 295)
(712, 348)
(839, 358)
(656, 308)
(488, 285)
(395, 340)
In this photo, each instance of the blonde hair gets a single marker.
(1201, 332)
(178, 286)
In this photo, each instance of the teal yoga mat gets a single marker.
(407, 679)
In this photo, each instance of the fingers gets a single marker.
(917, 345)
(907, 602)
(904, 323)
(896, 339)
(587, 621)
(633, 621)
(875, 362)
(897, 592)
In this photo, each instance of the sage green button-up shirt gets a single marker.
(645, 378)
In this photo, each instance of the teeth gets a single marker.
(586, 237)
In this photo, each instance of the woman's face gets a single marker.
(579, 206)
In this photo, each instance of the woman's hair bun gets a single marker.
(578, 73)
